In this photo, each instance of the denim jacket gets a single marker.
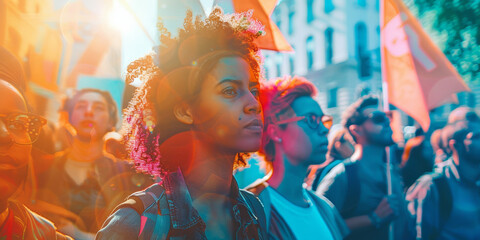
(169, 214)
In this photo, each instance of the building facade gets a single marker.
(337, 47)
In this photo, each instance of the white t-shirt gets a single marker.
(305, 223)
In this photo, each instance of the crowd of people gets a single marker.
(203, 109)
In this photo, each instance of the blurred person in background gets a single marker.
(444, 204)
(85, 183)
(460, 115)
(341, 147)
(436, 142)
(19, 128)
(417, 159)
(358, 186)
(295, 137)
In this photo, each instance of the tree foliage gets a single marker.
(458, 21)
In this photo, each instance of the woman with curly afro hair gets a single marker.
(194, 120)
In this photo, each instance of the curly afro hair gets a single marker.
(174, 73)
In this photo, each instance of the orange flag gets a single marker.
(262, 9)
(417, 74)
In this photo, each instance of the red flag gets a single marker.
(262, 9)
(418, 75)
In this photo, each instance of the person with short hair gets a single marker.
(358, 186)
(445, 204)
(84, 184)
(195, 118)
(295, 137)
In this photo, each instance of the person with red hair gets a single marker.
(295, 137)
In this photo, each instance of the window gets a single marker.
(332, 97)
(329, 6)
(279, 69)
(310, 15)
(361, 51)
(360, 39)
(278, 19)
(291, 62)
(279, 61)
(291, 16)
(310, 52)
(362, 3)
(328, 45)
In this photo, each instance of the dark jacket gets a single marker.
(443, 206)
(277, 226)
(29, 225)
(89, 204)
(165, 211)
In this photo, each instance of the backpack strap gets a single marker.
(353, 189)
(321, 173)
(445, 202)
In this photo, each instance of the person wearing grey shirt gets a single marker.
(358, 186)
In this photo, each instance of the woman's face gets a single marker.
(13, 156)
(301, 143)
(227, 112)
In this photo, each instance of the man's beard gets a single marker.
(380, 139)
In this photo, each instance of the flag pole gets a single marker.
(386, 108)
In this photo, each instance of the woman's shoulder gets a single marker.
(142, 213)
(122, 224)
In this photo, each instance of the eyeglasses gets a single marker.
(23, 127)
(378, 117)
(313, 121)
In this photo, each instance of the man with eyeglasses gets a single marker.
(295, 137)
(445, 204)
(358, 186)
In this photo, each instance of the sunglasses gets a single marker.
(378, 117)
(313, 121)
(24, 128)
